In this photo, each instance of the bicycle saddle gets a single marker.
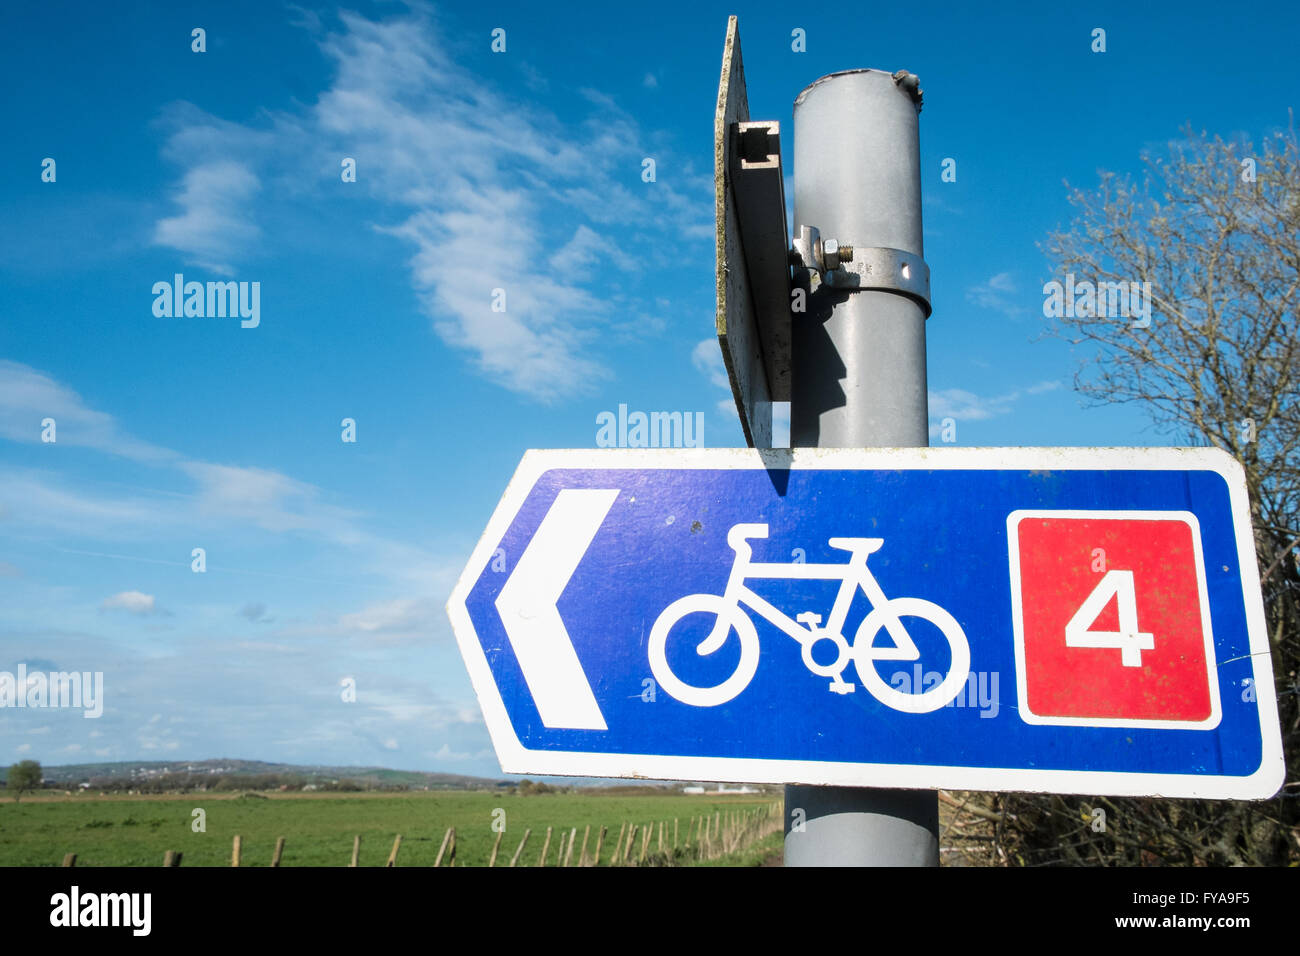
(857, 545)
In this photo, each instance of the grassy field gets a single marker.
(319, 828)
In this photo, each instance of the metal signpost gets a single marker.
(862, 618)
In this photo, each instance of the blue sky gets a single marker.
(475, 170)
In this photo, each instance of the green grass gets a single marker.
(756, 854)
(318, 829)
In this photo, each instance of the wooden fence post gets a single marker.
(600, 838)
(234, 852)
(279, 850)
(446, 838)
(618, 847)
(172, 858)
(631, 842)
(70, 860)
(661, 836)
(674, 833)
(568, 853)
(582, 854)
(392, 857)
(356, 849)
(496, 845)
(546, 845)
(515, 859)
(645, 842)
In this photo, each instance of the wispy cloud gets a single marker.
(999, 293)
(29, 396)
(211, 495)
(492, 193)
(397, 620)
(214, 225)
(967, 406)
(964, 406)
(707, 359)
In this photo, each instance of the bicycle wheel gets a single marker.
(925, 701)
(721, 609)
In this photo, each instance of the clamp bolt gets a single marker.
(833, 254)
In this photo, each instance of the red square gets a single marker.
(1112, 619)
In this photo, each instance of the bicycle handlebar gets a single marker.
(738, 536)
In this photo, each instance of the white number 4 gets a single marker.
(1128, 640)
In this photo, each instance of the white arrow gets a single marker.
(527, 607)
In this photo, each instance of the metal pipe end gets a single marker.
(909, 83)
(827, 78)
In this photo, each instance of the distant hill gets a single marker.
(225, 767)
(226, 772)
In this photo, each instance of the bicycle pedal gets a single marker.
(843, 687)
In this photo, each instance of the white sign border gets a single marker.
(1263, 783)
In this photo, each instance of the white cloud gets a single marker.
(707, 359)
(269, 499)
(1045, 386)
(134, 602)
(37, 501)
(264, 498)
(27, 396)
(491, 192)
(589, 254)
(157, 743)
(964, 406)
(396, 619)
(215, 223)
(998, 293)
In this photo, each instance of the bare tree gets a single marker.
(1211, 233)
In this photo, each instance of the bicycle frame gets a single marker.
(886, 615)
(854, 574)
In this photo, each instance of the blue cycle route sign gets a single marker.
(1073, 620)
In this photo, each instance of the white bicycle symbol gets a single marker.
(886, 614)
